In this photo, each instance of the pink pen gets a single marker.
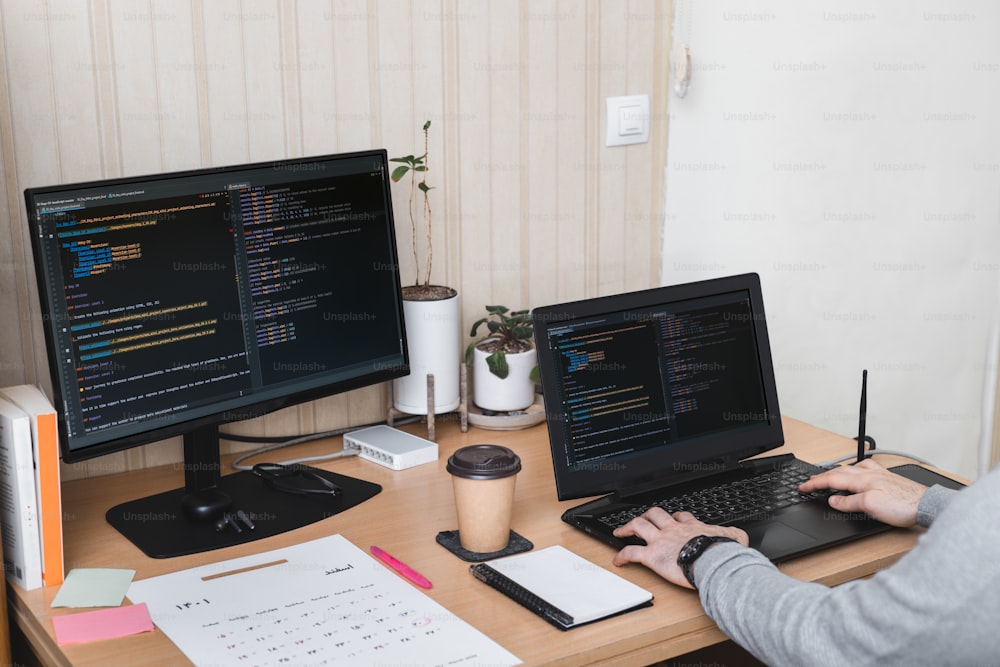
(402, 568)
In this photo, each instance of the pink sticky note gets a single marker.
(92, 626)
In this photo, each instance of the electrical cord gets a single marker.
(870, 451)
(280, 442)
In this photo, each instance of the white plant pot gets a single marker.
(433, 335)
(515, 392)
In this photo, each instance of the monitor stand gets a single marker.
(183, 521)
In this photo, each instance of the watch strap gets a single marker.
(693, 549)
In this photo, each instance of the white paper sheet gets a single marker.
(323, 602)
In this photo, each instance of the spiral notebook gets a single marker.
(562, 587)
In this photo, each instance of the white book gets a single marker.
(22, 557)
(48, 490)
(565, 589)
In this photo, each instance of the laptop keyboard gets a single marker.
(739, 500)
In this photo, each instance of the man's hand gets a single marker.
(664, 535)
(878, 492)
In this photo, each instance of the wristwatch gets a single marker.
(693, 549)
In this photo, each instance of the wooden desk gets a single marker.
(413, 507)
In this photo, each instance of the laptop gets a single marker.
(667, 393)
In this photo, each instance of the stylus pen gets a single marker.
(402, 568)
(861, 418)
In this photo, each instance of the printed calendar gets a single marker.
(323, 602)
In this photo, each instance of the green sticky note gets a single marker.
(94, 587)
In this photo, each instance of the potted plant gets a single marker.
(504, 371)
(430, 312)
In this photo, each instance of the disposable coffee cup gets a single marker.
(483, 478)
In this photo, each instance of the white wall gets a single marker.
(849, 152)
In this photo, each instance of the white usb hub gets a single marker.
(391, 447)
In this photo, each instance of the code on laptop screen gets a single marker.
(650, 383)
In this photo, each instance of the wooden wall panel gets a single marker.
(530, 207)
(571, 129)
(539, 142)
(177, 71)
(226, 102)
(264, 75)
(130, 90)
(648, 23)
(475, 188)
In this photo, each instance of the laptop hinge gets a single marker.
(703, 470)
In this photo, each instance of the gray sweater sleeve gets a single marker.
(937, 605)
(933, 502)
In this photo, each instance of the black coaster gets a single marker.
(449, 540)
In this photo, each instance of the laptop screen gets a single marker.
(647, 386)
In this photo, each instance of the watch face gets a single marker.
(692, 549)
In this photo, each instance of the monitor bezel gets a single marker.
(254, 406)
(708, 454)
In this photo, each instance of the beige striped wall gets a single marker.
(531, 207)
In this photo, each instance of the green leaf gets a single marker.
(522, 333)
(476, 325)
(499, 310)
(469, 351)
(535, 375)
(498, 364)
(399, 172)
(424, 187)
(427, 126)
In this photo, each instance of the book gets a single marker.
(22, 558)
(562, 587)
(45, 455)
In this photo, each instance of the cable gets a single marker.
(870, 451)
(252, 438)
(279, 442)
(852, 457)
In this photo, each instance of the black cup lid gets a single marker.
(484, 462)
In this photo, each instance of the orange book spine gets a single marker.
(50, 500)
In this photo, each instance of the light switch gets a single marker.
(628, 120)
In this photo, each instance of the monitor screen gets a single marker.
(647, 385)
(176, 302)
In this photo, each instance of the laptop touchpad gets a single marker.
(774, 537)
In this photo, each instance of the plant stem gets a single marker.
(427, 209)
(413, 227)
(430, 247)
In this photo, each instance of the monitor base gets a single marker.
(160, 528)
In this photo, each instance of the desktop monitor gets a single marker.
(173, 303)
